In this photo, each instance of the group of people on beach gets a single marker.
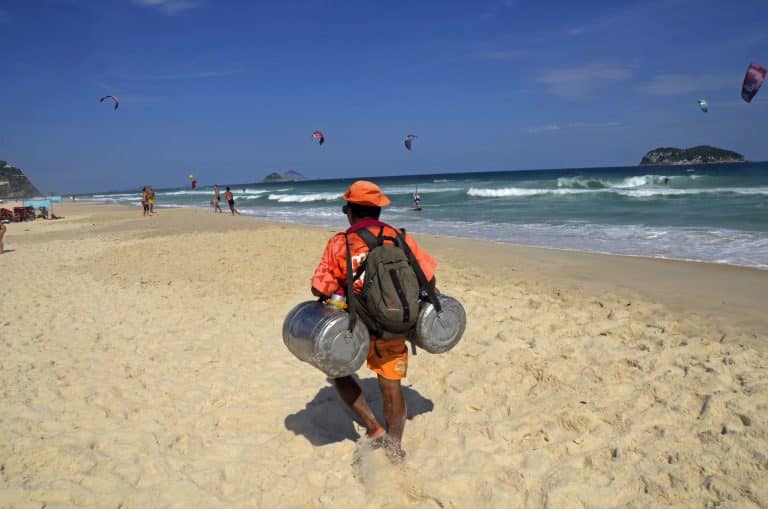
(227, 196)
(148, 200)
(44, 213)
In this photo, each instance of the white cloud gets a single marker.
(549, 128)
(170, 6)
(541, 129)
(582, 82)
(677, 84)
(591, 125)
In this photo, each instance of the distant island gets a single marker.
(14, 185)
(703, 154)
(289, 176)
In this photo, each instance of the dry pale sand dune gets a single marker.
(142, 365)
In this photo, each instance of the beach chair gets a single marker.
(6, 215)
(23, 214)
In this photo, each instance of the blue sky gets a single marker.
(232, 90)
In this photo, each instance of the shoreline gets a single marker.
(474, 239)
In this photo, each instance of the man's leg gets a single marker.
(353, 396)
(395, 409)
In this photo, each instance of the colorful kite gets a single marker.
(753, 80)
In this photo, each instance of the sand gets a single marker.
(142, 365)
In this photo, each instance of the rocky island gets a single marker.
(289, 176)
(14, 185)
(703, 154)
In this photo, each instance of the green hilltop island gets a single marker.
(289, 176)
(14, 185)
(703, 154)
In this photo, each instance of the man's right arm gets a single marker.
(324, 280)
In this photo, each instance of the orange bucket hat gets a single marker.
(363, 192)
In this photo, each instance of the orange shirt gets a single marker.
(331, 273)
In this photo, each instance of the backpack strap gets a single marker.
(369, 238)
(351, 300)
(371, 241)
(425, 288)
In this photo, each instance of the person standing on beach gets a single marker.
(216, 199)
(151, 199)
(231, 201)
(388, 358)
(3, 229)
(144, 201)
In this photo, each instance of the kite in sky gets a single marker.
(703, 105)
(752, 81)
(318, 135)
(117, 103)
(409, 140)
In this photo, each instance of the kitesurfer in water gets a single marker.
(416, 199)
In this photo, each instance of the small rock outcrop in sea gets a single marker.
(703, 154)
(289, 176)
(14, 185)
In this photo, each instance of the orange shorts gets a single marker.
(388, 358)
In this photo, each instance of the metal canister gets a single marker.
(318, 333)
(439, 332)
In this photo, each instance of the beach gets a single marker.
(142, 365)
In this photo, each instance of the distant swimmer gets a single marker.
(666, 180)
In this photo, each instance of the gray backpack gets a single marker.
(393, 287)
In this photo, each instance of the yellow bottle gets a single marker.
(338, 300)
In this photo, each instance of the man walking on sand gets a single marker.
(145, 201)
(388, 358)
(151, 199)
(216, 199)
(231, 201)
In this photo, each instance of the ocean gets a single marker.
(710, 213)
